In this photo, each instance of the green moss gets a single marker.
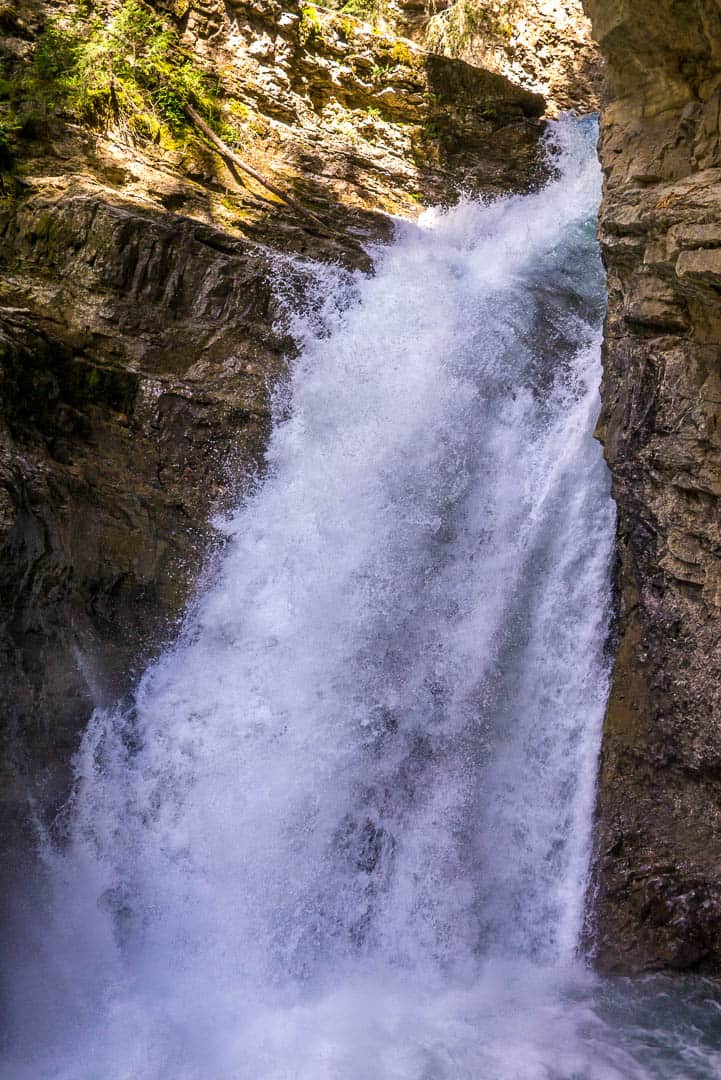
(402, 54)
(260, 127)
(361, 9)
(145, 126)
(239, 110)
(127, 71)
(310, 23)
(239, 213)
(348, 27)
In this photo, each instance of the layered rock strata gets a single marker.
(543, 45)
(657, 897)
(140, 329)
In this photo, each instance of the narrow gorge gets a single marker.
(359, 664)
(659, 864)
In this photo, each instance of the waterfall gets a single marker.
(343, 829)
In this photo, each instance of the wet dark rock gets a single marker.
(657, 897)
(140, 340)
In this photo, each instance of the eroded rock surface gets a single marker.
(134, 388)
(543, 45)
(139, 335)
(658, 899)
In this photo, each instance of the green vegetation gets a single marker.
(124, 69)
(432, 129)
(363, 9)
(451, 30)
(376, 12)
(402, 54)
(310, 23)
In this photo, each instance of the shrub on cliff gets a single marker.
(126, 69)
(451, 29)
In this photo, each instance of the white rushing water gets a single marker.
(343, 831)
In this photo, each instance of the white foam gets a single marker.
(344, 830)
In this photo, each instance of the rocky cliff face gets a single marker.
(141, 301)
(658, 898)
(141, 336)
(544, 45)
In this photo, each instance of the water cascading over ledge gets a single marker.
(343, 830)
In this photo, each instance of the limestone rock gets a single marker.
(140, 295)
(543, 45)
(115, 444)
(658, 851)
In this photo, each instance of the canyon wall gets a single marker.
(544, 45)
(143, 281)
(141, 300)
(657, 895)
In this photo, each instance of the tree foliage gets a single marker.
(126, 69)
